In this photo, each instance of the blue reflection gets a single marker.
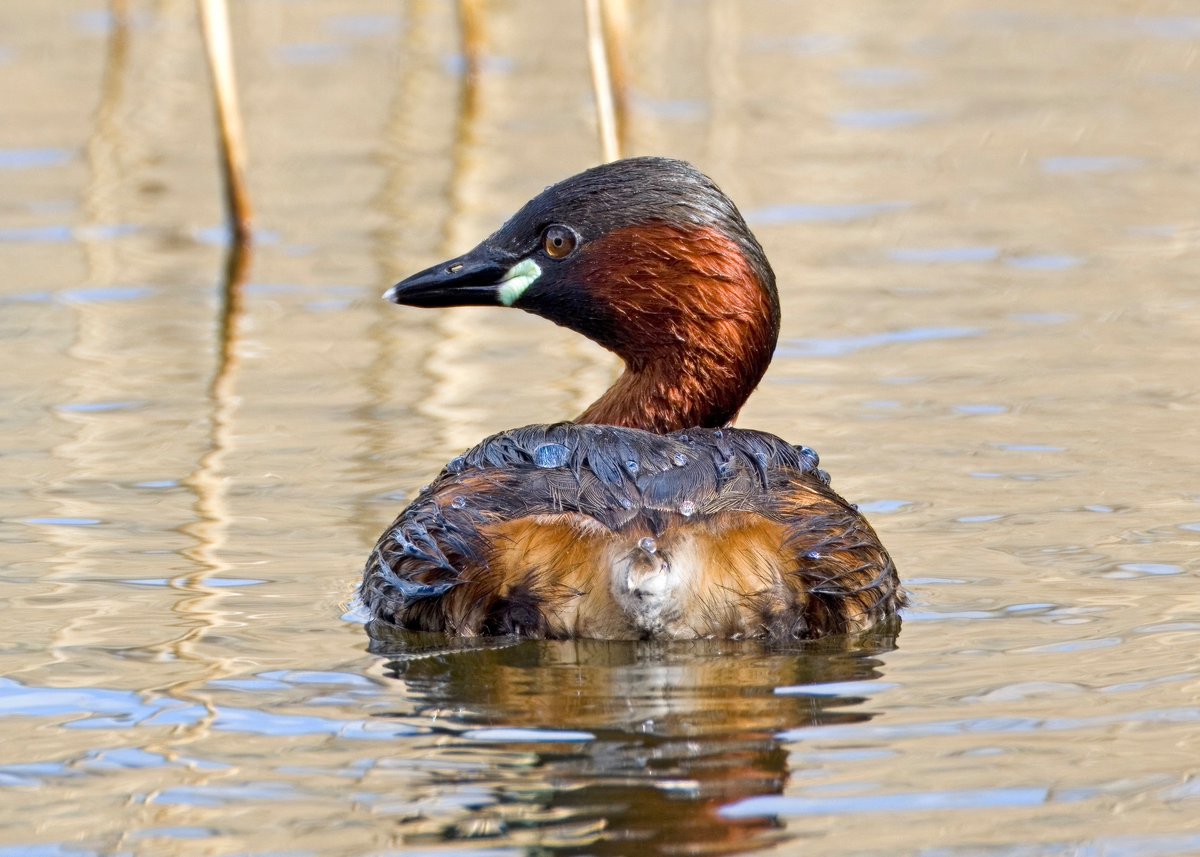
(97, 708)
(24, 159)
(784, 806)
(883, 507)
(1069, 164)
(105, 294)
(944, 255)
(311, 54)
(36, 234)
(895, 118)
(843, 346)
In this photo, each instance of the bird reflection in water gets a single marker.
(679, 730)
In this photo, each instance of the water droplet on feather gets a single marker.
(687, 508)
(808, 458)
(551, 455)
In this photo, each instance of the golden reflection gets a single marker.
(97, 327)
(201, 604)
(724, 79)
(680, 730)
(208, 480)
(409, 198)
(455, 343)
(106, 171)
(414, 212)
(101, 152)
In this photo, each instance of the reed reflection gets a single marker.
(680, 730)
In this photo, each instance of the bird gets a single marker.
(649, 516)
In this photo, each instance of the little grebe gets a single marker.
(648, 516)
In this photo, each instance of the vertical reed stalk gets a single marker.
(602, 83)
(218, 49)
(470, 20)
(614, 17)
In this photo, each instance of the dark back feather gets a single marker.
(619, 478)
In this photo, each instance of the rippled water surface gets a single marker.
(984, 221)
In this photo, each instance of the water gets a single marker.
(983, 218)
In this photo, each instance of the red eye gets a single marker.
(558, 242)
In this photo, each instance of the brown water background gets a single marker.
(984, 219)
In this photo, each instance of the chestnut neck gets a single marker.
(694, 319)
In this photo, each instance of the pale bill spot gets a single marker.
(518, 278)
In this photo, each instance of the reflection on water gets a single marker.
(584, 746)
(983, 219)
(632, 745)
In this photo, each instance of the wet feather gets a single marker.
(610, 485)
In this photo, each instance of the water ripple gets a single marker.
(98, 708)
(943, 255)
(528, 736)
(784, 806)
(1073, 164)
(842, 346)
(872, 119)
(24, 159)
